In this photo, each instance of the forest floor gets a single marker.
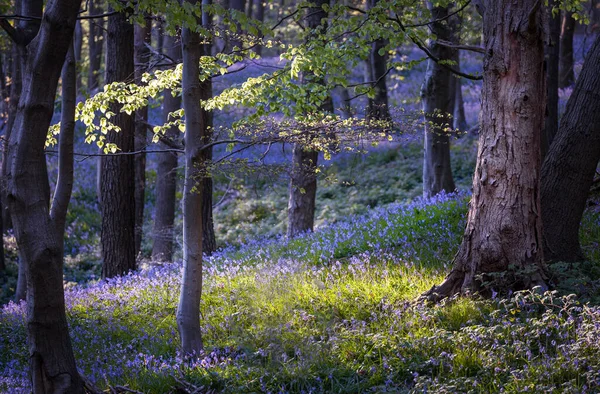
(335, 311)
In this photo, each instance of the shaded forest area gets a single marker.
(289, 196)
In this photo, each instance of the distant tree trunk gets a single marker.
(209, 242)
(595, 17)
(188, 310)
(238, 5)
(166, 172)
(95, 44)
(303, 180)
(459, 118)
(567, 75)
(78, 46)
(64, 183)
(259, 15)
(438, 101)
(377, 107)
(345, 106)
(552, 74)
(502, 240)
(118, 174)
(14, 97)
(142, 35)
(249, 7)
(21, 289)
(570, 165)
(51, 359)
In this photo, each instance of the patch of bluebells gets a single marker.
(344, 320)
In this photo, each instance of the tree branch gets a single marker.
(11, 31)
(450, 15)
(433, 57)
(472, 48)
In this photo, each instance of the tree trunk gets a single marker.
(238, 5)
(249, 7)
(595, 17)
(118, 175)
(303, 180)
(570, 165)
(78, 47)
(21, 289)
(188, 310)
(209, 242)
(64, 183)
(501, 247)
(259, 15)
(27, 30)
(377, 107)
(52, 363)
(438, 101)
(166, 172)
(95, 44)
(142, 35)
(15, 95)
(459, 118)
(567, 75)
(552, 62)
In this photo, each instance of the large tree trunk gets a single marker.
(567, 75)
(188, 310)
(552, 73)
(570, 165)
(141, 57)
(51, 357)
(95, 44)
(303, 180)
(166, 172)
(438, 101)
(27, 29)
(118, 175)
(377, 107)
(501, 247)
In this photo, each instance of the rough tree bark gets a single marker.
(552, 74)
(95, 44)
(438, 101)
(567, 75)
(502, 240)
(142, 34)
(51, 359)
(188, 310)
(570, 164)
(166, 172)
(303, 180)
(377, 107)
(117, 178)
